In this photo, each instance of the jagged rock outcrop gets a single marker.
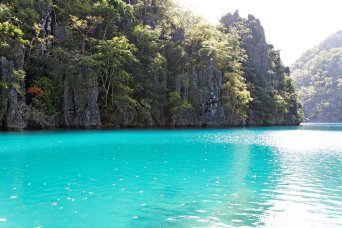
(257, 49)
(230, 19)
(265, 71)
(254, 43)
(11, 93)
(47, 13)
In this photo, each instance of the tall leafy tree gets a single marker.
(112, 60)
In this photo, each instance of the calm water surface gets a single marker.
(265, 177)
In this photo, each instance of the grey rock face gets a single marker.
(80, 90)
(203, 92)
(11, 96)
(254, 43)
(14, 119)
(231, 19)
(80, 108)
(212, 113)
(46, 22)
(257, 48)
(60, 33)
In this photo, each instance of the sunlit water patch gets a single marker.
(284, 177)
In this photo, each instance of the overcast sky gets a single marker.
(293, 26)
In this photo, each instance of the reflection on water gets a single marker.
(308, 194)
(321, 126)
(287, 176)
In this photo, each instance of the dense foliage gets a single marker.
(318, 74)
(147, 60)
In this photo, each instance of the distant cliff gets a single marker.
(113, 64)
(318, 76)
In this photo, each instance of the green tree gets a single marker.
(84, 27)
(112, 59)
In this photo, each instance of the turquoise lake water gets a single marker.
(265, 177)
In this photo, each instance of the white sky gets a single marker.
(293, 26)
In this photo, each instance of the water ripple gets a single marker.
(193, 178)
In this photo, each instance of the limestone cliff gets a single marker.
(265, 72)
(122, 64)
(11, 94)
(79, 107)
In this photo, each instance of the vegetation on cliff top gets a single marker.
(318, 75)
